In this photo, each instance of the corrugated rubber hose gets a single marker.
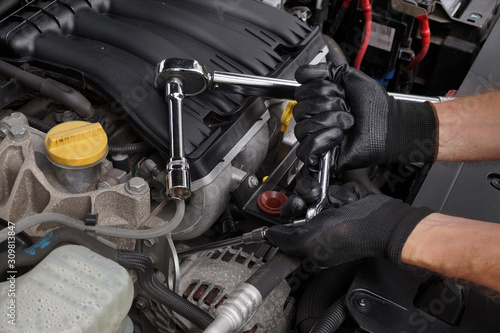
(332, 319)
(148, 281)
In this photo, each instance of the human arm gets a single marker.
(383, 130)
(456, 247)
(359, 225)
(469, 128)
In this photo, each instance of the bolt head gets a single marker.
(150, 242)
(18, 132)
(4, 131)
(361, 303)
(253, 182)
(137, 185)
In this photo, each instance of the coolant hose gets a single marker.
(333, 318)
(34, 220)
(327, 287)
(148, 281)
(269, 276)
(38, 251)
(61, 93)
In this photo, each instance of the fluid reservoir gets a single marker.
(72, 290)
(76, 149)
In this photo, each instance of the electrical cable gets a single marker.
(130, 148)
(339, 17)
(425, 33)
(366, 7)
(34, 220)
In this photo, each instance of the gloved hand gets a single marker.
(378, 129)
(357, 225)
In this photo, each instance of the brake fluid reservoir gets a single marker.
(76, 149)
(72, 290)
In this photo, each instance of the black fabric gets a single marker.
(341, 105)
(358, 225)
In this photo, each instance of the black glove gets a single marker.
(357, 225)
(385, 130)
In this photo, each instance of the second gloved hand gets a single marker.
(340, 104)
(357, 225)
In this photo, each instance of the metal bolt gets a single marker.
(137, 185)
(253, 181)
(495, 182)
(362, 304)
(102, 185)
(4, 131)
(18, 132)
(106, 165)
(150, 242)
(68, 116)
(15, 114)
(141, 303)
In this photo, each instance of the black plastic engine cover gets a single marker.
(113, 46)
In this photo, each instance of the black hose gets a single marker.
(38, 251)
(333, 318)
(269, 276)
(131, 148)
(322, 291)
(61, 93)
(148, 281)
(335, 53)
(39, 124)
(417, 184)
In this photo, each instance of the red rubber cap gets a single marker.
(271, 202)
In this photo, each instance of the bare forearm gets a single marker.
(456, 247)
(469, 128)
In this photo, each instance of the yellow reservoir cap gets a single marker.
(76, 144)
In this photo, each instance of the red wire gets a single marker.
(367, 10)
(425, 33)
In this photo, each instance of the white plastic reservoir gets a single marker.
(72, 290)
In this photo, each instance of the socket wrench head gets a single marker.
(178, 179)
(193, 75)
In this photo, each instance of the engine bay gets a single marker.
(89, 150)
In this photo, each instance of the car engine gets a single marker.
(90, 148)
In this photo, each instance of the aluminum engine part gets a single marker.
(30, 186)
(209, 279)
(211, 194)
